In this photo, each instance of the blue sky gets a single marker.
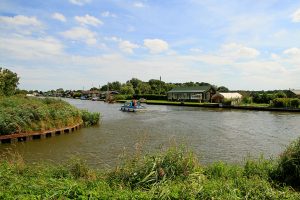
(75, 44)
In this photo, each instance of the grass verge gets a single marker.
(171, 174)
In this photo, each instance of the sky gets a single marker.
(79, 44)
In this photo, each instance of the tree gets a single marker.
(116, 85)
(280, 95)
(143, 88)
(222, 89)
(127, 89)
(8, 82)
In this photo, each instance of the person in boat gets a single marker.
(134, 102)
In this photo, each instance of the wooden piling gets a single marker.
(22, 137)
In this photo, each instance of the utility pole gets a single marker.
(159, 84)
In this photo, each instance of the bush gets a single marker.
(122, 97)
(246, 100)
(285, 102)
(227, 102)
(279, 103)
(295, 103)
(151, 169)
(288, 169)
(89, 118)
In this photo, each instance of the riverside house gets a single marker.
(197, 93)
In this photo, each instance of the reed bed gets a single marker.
(19, 114)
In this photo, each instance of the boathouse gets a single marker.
(234, 97)
(197, 93)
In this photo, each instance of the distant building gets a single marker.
(90, 94)
(105, 94)
(296, 92)
(198, 93)
(233, 96)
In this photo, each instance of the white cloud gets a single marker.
(59, 17)
(29, 48)
(20, 20)
(20, 24)
(81, 34)
(296, 16)
(88, 20)
(292, 52)
(238, 51)
(156, 45)
(127, 46)
(108, 14)
(139, 5)
(79, 2)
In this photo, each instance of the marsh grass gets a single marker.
(90, 118)
(172, 173)
(20, 114)
(288, 165)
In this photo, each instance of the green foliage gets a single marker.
(90, 118)
(22, 114)
(246, 100)
(76, 95)
(285, 103)
(295, 103)
(8, 82)
(122, 97)
(288, 169)
(175, 163)
(280, 95)
(262, 97)
(227, 102)
(222, 89)
(171, 174)
(127, 89)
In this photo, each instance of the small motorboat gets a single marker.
(132, 106)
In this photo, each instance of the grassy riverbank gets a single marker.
(171, 174)
(20, 114)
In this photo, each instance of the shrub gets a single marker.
(246, 100)
(89, 118)
(285, 102)
(280, 102)
(227, 102)
(122, 97)
(151, 169)
(295, 103)
(288, 169)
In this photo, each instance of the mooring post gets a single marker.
(28, 138)
(13, 140)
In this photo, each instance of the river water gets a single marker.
(213, 134)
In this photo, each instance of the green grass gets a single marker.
(174, 173)
(22, 115)
(255, 105)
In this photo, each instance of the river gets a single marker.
(213, 134)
